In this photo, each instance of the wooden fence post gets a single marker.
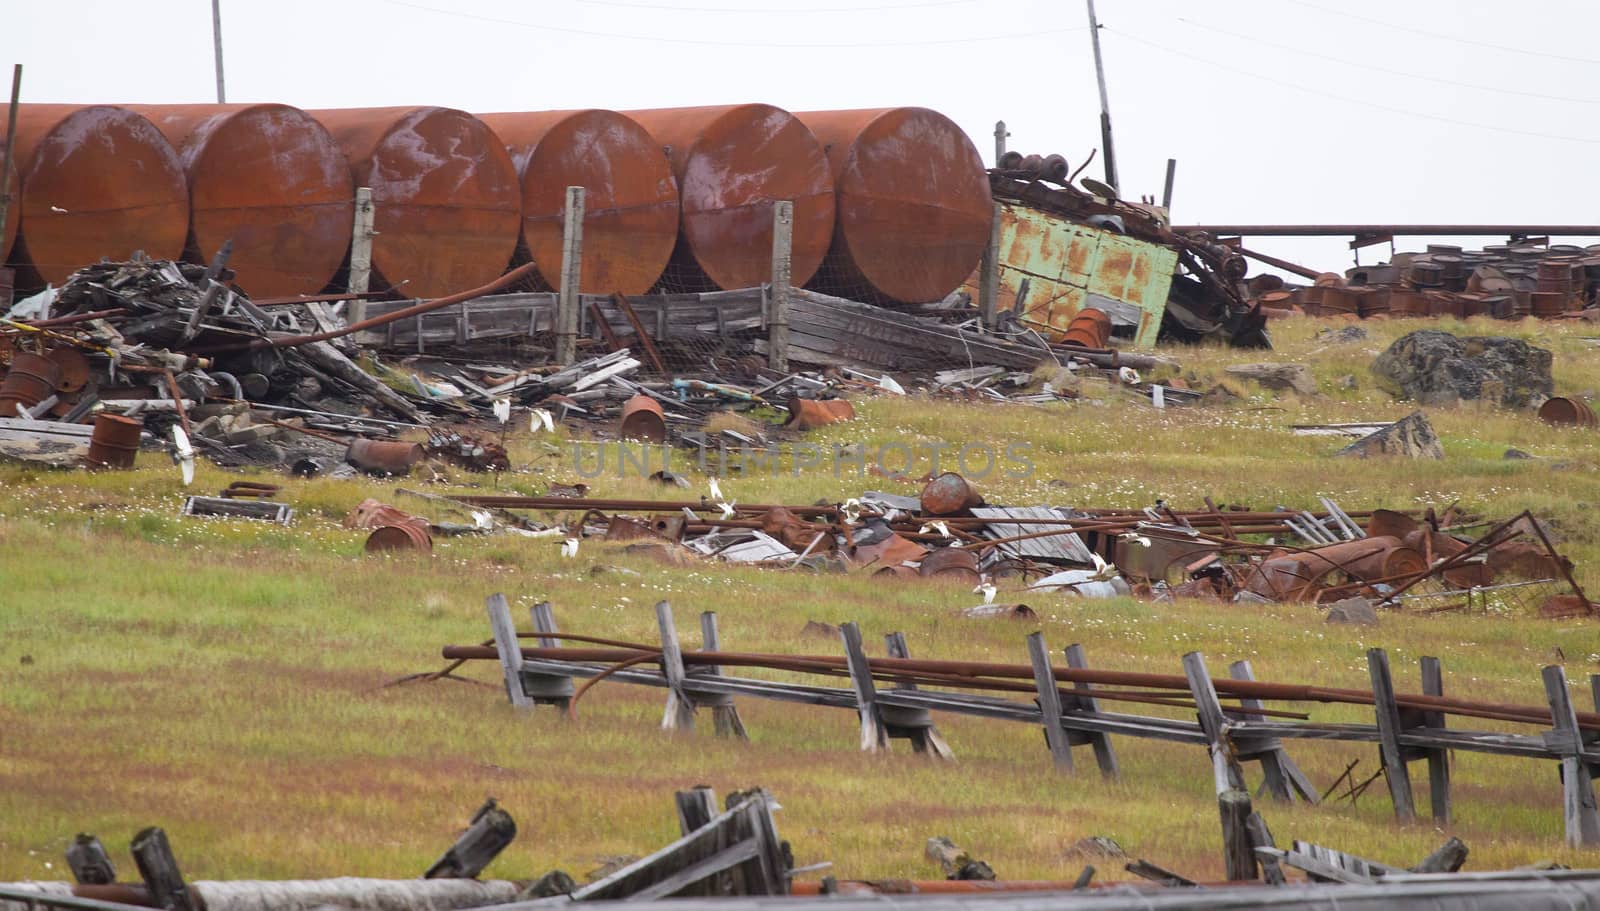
(152, 854)
(679, 713)
(566, 322)
(1389, 750)
(89, 862)
(490, 832)
(1101, 741)
(1438, 758)
(361, 254)
(724, 714)
(509, 649)
(778, 301)
(989, 274)
(1225, 770)
(547, 689)
(916, 725)
(1283, 779)
(874, 737)
(1044, 682)
(1577, 776)
(1238, 848)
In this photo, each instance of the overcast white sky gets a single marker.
(1278, 111)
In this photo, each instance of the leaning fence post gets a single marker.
(778, 316)
(1238, 848)
(89, 862)
(547, 689)
(1283, 777)
(571, 270)
(508, 648)
(1438, 757)
(152, 854)
(679, 712)
(1044, 681)
(989, 273)
(917, 724)
(1389, 750)
(1225, 769)
(1101, 741)
(874, 736)
(361, 254)
(724, 714)
(1577, 776)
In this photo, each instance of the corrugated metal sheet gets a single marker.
(1070, 266)
(1065, 548)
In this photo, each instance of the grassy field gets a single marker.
(224, 679)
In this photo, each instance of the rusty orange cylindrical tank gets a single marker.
(913, 203)
(732, 164)
(97, 181)
(445, 193)
(272, 179)
(630, 209)
(8, 230)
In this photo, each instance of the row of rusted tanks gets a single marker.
(890, 205)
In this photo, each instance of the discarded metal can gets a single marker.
(809, 414)
(951, 564)
(384, 456)
(115, 441)
(630, 203)
(913, 203)
(949, 494)
(96, 181)
(642, 420)
(404, 537)
(732, 162)
(445, 194)
(1560, 410)
(74, 367)
(272, 180)
(31, 380)
(1091, 328)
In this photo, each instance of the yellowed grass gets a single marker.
(223, 678)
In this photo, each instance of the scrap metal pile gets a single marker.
(1223, 553)
(1503, 281)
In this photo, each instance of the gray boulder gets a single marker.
(1284, 377)
(1431, 367)
(1411, 436)
(1356, 611)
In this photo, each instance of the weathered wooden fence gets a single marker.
(1073, 717)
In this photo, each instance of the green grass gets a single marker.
(224, 679)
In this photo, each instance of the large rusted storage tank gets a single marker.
(272, 179)
(732, 163)
(8, 230)
(97, 181)
(630, 215)
(913, 203)
(445, 192)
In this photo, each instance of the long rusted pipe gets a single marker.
(977, 671)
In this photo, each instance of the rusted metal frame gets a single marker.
(1561, 564)
(601, 323)
(1483, 544)
(651, 353)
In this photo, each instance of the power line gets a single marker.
(927, 4)
(1348, 100)
(968, 39)
(1443, 37)
(1302, 52)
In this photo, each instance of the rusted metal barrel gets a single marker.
(895, 573)
(1299, 576)
(1090, 328)
(913, 203)
(642, 420)
(270, 178)
(949, 494)
(448, 204)
(403, 537)
(630, 207)
(386, 456)
(1560, 410)
(114, 443)
(8, 230)
(73, 367)
(97, 181)
(732, 163)
(31, 379)
(809, 414)
(951, 564)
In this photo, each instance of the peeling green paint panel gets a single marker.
(1065, 263)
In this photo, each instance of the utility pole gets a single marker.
(216, 43)
(1105, 106)
(1000, 134)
